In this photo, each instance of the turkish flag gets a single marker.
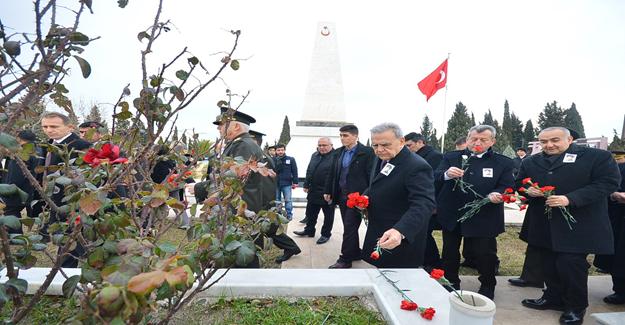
(434, 81)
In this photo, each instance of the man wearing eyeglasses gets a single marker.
(316, 174)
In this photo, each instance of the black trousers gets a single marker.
(532, 265)
(566, 277)
(350, 248)
(312, 213)
(485, 256)
(432, 257)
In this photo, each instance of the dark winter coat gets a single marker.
(586, 182)
(286, 168)
(316, 174)
(14, 175)
(489, 221)
(403, 200)
(359, 171)
(431, 155)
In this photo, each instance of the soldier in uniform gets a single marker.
(259, 191)
(583, 178)
(490, 174)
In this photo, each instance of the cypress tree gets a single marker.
(529, 134)
(552, 115)
(573, 120)
(285, 135)
(457, 126)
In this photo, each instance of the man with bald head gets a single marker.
(316, 174)
(583, 178)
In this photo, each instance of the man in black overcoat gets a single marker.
(401, 201)
(583, 178)
(59, 130)
(351, 171)
(490, 174)
(316, 174)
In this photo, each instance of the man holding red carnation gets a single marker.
(581, 179)
(487, 174)
(400, 202)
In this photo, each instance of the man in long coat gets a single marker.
(401, 201)
(583, 178)
(490, 174)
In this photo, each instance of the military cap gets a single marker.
(236, 116)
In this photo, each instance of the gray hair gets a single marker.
(566, 131)
(244, 127)
(327, 139)
(386, 127)
(483, 127)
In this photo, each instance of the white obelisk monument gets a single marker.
(324, 108)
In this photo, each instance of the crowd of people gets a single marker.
(412, 190)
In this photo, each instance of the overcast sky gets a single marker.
(528, 52)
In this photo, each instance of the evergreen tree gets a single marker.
(96, 115)
(516, 132)
(457, 126)
(368, 142)
(617, 143)
(529, 134)
(473, 119)
(285, 135)
(429, 133)
(552, 115)
(573, 120)
(434, 141)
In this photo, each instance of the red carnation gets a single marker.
(523, 207)
(521, 189)
(527, 180)
(108, 153)
(509, 190)
(408, 305)
(437, 274)
(478, 149)
(77, 220)
(512, 199)
(375, 256)
(547, 188)
(428, 313)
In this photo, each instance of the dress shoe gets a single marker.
(341, 265)
(572, 317)
(303, 233)
(518, 282)
(488, 292)
(287, 255)
(305, 220)
(614, 299)
(322, 240)
(542, 304)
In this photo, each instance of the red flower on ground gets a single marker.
(428, 313)
(408, 305)
(523, 207)
(108, 153)
(527, 180)
(437, 274)
(375, 256)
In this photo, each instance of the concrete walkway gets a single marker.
(508, 298)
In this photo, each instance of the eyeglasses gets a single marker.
(323, 145)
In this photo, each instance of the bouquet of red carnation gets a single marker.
(407, 303)
(510, 196)
(547, 192)
(360, 202)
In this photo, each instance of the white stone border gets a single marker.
(253, 283)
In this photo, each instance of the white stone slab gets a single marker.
(609, 318)
(310, 283)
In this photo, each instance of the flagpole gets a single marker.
(445, 110)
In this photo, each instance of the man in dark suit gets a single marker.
(14, 175)
(58, 128)
(401, 201)
(316, 175)
(351, 171)
(583, 178)
(417, 143)
(489, 174)
(521, 154)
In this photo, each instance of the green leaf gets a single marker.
(39, 247)
(143, 35)
(182, 75)
(12, 222)
(110, 246)
(69, 286)
(3, 294)
(234, 64)
(193, 60)
(9, 142)
(89, 274)
(233, 245)
(167, 247)
(84, 66)
(27, 262)
(118, 320)
(246, 253)
(19, 284)
(79, 38)
(164, 291)
(123, 115)
(122, 3)
(12, 48)
(63, 180)
(28, 150)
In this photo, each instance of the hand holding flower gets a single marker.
(495, 198)
(454, 172)
(557, 201)
(390, 239)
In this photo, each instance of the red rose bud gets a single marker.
(408, 305)
(437, 274)
(375, 256)
(428, 313)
